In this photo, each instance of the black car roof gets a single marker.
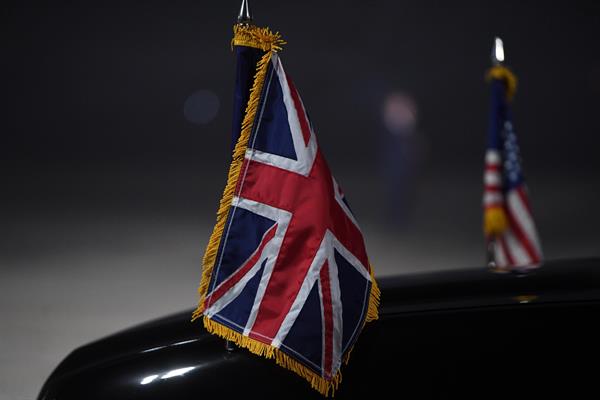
(554, 281)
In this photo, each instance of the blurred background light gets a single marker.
(201, 107)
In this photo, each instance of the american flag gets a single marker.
(515, 242)
(291, 271)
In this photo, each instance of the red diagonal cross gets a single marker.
(311, 201)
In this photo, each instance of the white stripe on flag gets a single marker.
(235, 291)
(501, 260)
(309, 281)
(336, 308)
(492, 198)
(518, 253)
(492, 178)
(323, 322)
(492, 157)
(524, 219)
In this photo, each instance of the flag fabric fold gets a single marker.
(285, 273)
(508, 221)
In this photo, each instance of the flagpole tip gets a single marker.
(498, 52)
(244, 17)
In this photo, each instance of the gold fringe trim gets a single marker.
(494, 221)
(374, 299)
(500, 72)
(316, 381)
(239, 151)
(259, 38)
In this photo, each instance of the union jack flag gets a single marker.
(291, 271)
(515, 239)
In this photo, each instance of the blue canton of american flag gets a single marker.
(518, 244)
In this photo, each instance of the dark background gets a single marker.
(109, 191)
(94, 83)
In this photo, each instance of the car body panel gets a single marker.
(440, 335)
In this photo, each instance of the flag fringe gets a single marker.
(374, 299)
(500, 72)
(261, 38)
(317, 382)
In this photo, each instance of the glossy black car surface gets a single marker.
(469, 333)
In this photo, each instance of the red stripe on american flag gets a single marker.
(524, 199)
(522, 237)
(243, 270)
(492, 167)
(493, 188)
(328, 319)
(506, 251)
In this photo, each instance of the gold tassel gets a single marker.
(502, 73)
(494, 221)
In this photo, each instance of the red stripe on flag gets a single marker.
(524, 199)
(506, 251)
(243, 270)
(492, 167)
(493, 188)
(327, 319)
(299, 110)
(522, 237)
(315, 211)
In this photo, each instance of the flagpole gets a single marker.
(244, 18)
(498, 58)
